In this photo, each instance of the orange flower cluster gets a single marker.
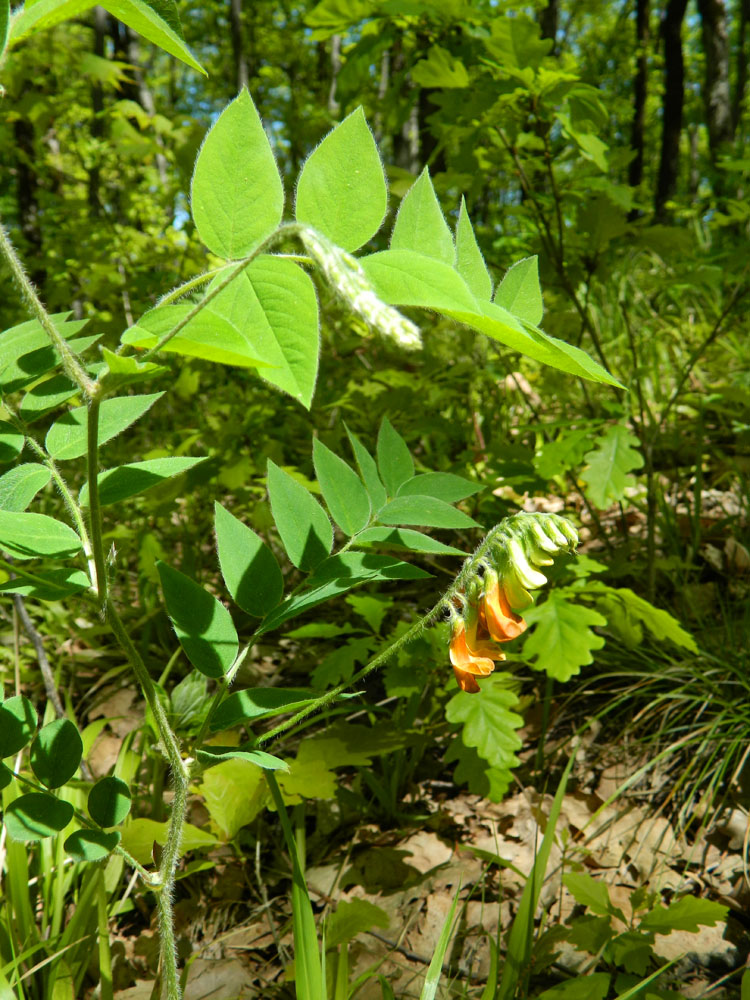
(474, 647)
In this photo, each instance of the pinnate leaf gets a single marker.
(248, 566)
(341, 190)
(562, 640)
(609, 465)
(202, 624)
(237, 195)
(302, 523)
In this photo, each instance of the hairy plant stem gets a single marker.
(72, 507)
(164, 887)
(71, 366)
(468, 568)
(92, 469)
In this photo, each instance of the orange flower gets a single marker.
(466, 665)
(503, 624)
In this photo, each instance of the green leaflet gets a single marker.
(241, 706)
(341, 190)
(520, 292)
(405, 538)
(562, 641)
(109, 801)
(27, 536)
(424, 511)
(202, 624)
(469, 260)
(11, 442)
(368, 470)
(237, 195)
(346, 498)
(19, 341)
(49, 585)
(36, 815)
(302, 523)
(441, 485)
(609, 464)
(129, 480)
(249, 568)
(91, 845)
(420, 225)
(18, 722)
(56, 753)
(403, 277)
(395, 463)
(67, 437)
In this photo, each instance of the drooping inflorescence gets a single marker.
(500, 578)
(348, 280)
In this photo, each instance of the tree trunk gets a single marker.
(241, 76)
(640, 90)
(743, 57)
(97, 106)
(548, 21)
(716, 87)
(672, 103)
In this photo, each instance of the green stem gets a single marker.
(95, 513)
(226, 681)
(72, 507)
(468, 568)
(181, 780)
(70, 363)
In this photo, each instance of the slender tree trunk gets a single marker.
(672, 104)
(716, 87)
(333, 104)
(549, 18)
(743, 57)
(97, 106)
(241, 76)
(640, 90)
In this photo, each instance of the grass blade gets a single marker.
(435, 968)
(521, 937)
